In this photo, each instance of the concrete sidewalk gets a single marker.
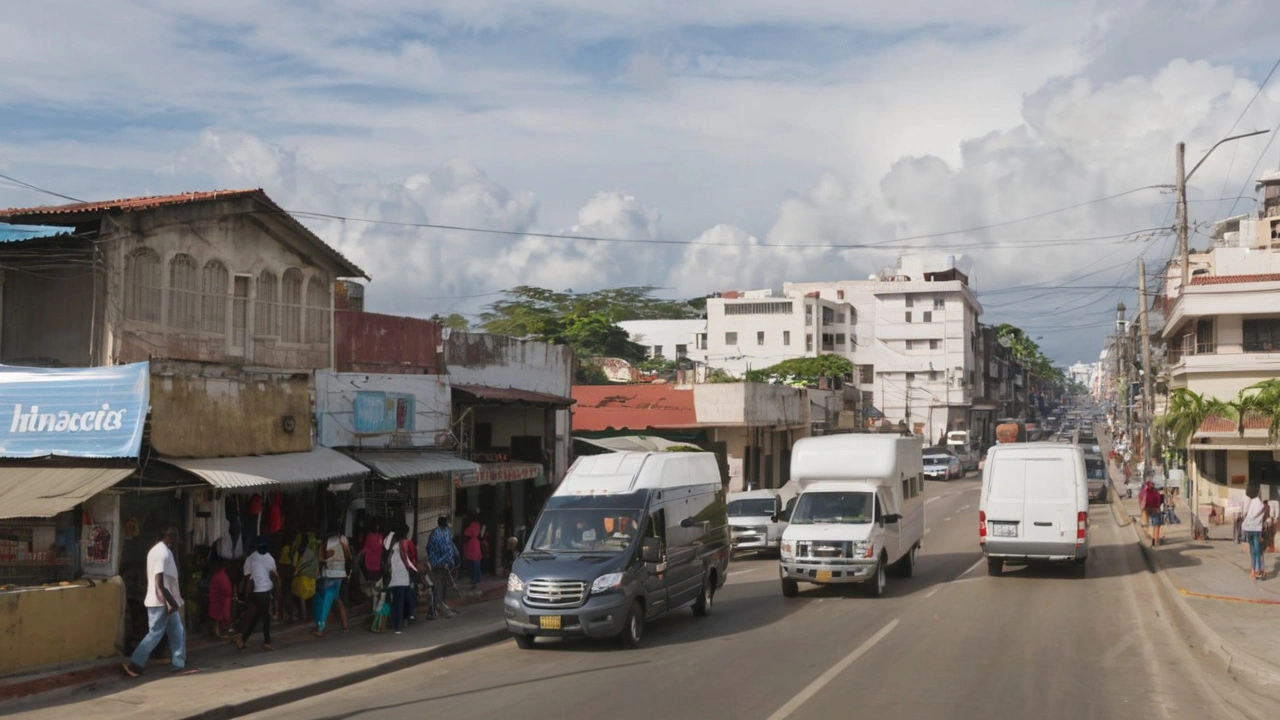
(231, 683)
(1225, 615)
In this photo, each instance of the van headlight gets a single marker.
(605, 583)
(514, 583)
(860, 548)
(788, 550)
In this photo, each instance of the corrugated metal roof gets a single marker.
(633, 407)
(47, 491)
(1231, 279)
(395, 466)
(318, 466)
(516, 395)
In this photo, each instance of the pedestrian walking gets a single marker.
(307, 573)
(1254, 517)
(164, 603)
(1151, 500)
(1171, 507)
(442, 555)
(371, 553)
(401, 559)
(220, 596)
(261, 575)
(472, 549)
(285, 608)
(334, 554)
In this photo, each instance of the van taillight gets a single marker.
(1082, 521)
(982, 526)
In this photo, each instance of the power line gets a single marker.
(29, 186)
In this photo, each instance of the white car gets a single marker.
(942, 466)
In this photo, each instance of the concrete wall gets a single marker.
(47, 317)
(220, 411)
(502, 362)
(247, 243)
(370, 342)
(514, 420)
(786, 335)
(335, 408)
(667, 334)
(41, 627)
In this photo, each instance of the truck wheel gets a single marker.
(790, 588)
(906, 567)
(702, 606)
(876, 585)
(633, 628)
(995, 566)
(524, 642)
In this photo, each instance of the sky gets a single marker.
(722, 144)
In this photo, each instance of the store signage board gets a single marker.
(73, 412)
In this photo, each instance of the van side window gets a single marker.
(878, 516)
(658, 526)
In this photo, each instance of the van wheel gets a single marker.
(995, 566)
(876, 586)
(524, 642)
(702, 606)
(633, 629)
(906, 567)
(790, 588)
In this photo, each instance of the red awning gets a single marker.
(513, 395)
(632, 407)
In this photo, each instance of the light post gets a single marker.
(1183, 249)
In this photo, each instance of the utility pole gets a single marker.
(1184, 252)
(1146, 368)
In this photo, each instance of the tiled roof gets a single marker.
(632, 407)
(1229, 279)
(125, 204)
(76, 213)
(1252, 421)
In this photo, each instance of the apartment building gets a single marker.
(1222, 333)
(756, 329)
(917, 340)
(670, 339)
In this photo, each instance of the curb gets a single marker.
(302, 692)
(1254, 674)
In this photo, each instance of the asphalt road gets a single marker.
(949, 643)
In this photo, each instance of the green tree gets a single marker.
(1187, 411)
(453, 321)
(802, 371)
(718, 375)
(528, 311)
(594, 335)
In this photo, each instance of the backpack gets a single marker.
(1152, 499)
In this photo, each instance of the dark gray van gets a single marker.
(626, 538)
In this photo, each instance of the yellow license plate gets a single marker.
(823, 575)
(549, 622)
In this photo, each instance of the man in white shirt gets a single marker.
(260, 571)
(163, 602)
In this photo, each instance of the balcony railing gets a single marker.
(1189, 345)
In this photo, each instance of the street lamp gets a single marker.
(1183, 249)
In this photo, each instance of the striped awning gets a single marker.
(401, 465)
(320, 465)
(42, 492)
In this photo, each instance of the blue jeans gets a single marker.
(474, 567)
(396, 597)
(162, 623)
(1255, 549)
(326, 593)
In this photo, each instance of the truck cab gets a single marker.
(962, 446)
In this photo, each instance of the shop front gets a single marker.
(428, 477)
(68, 438)
(507, 497)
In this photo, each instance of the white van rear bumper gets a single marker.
(1017, 550)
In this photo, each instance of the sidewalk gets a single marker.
(231, 683)
(1225, 614)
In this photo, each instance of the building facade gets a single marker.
(754, 330)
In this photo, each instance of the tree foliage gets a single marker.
(802, 371)
(453, 321)
(720, 375)
(525, 311)
(1026, 351)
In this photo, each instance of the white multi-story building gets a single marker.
(1083, 373)
(916, 341)
(671, 339)
(756, 329)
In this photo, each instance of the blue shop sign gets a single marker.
(73, 412)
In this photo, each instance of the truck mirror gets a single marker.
(892, 518)
(651, 551)
(773, 518)
(686, 523)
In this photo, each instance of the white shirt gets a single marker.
(334, 566)
(399, 571)
(1253, 512)
(160, 562)
(259, 566)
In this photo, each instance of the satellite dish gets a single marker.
(1004, 341)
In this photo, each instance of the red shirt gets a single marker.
(220, 596)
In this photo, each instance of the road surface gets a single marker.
(949, 643)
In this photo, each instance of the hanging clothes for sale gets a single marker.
(275, 514)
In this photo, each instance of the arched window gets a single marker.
(143, 288)
(317, 311)
(291, 306)
(184, 292)
(213, 298)
(266, 308)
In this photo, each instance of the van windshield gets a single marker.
(824, 508)
(586, 530)
(758, 507)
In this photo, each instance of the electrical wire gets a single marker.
(29, 186)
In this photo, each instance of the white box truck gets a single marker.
(860, 513)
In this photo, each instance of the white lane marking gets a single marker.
(930, 593)
(933, 499)
(825, 678)
(964, 507)
(946, 518)
(744, 572)
(973, 567)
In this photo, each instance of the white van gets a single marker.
(860, 512)
(1034, 505)
(756, 520)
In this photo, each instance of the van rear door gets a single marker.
(1049, 505)
(1006, 489)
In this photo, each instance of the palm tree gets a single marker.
(1264, 399)
(1187, 411)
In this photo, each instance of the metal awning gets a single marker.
(640, 443)
(513, 395)
(42, 492)
(396, 466)
(317, 466)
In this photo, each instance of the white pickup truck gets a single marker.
(963, 447)
(860, 513)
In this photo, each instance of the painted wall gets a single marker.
(337, 395)
(200, 410)
(668, 334)
(741, 342)
(502, 362)
(42, 627)
(47, 317)
(247, 243)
